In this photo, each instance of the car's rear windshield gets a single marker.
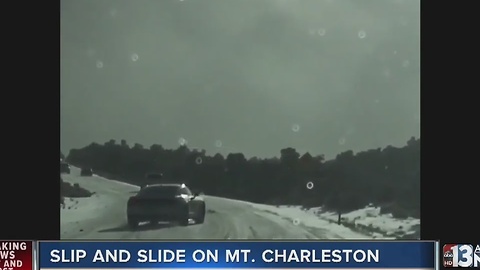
(159, 191)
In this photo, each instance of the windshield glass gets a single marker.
(161, 192)
(310, 109)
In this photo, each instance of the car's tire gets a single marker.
(132, 222)
(200, 216)
(184, 217)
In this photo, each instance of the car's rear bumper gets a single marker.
(166, 214)
(161, 218)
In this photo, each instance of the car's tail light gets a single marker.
(182, 197)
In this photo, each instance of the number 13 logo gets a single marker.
(462, 255)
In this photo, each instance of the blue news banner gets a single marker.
(241, 254)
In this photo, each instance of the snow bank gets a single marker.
(81, 209)
(76, 213)
(370, 219)
(316, 226)
(367, 222)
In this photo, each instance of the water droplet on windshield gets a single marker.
(362, 34)
(182, 141)
(134, 57)
(310, 185)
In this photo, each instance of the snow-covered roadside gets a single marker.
(367, 221)
(370, 219)
(81, 209)
(76, 213)
(309, 225)
(314, 225)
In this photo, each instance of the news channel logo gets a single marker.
(461, 255)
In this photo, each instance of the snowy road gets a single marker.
(102, 216)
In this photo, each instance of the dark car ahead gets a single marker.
(64, 167)
(165, 202)
(86, 172)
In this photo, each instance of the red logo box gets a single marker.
(448, 255)
(16, 255)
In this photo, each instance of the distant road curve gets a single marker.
(103, 217)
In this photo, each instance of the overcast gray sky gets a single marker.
(250, 76)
